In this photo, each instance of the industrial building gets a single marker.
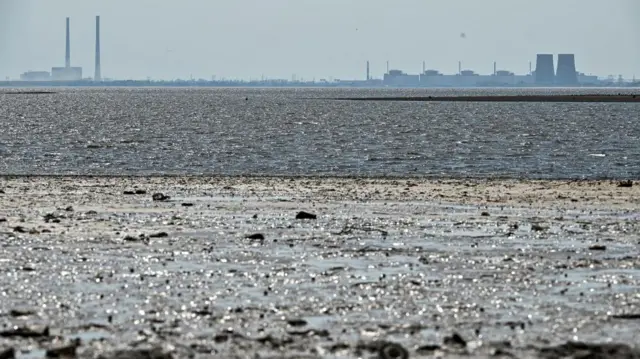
(35, 76)
(465, 78)
(545, 74)
(67, 73)
(399, 78)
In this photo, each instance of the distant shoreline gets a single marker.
(286, 84)
(503, 98)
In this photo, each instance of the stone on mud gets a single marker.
(8, 353)
(591, 351)
(155, 353)
(305, 215)
(160, 197)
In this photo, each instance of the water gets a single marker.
(295, 132)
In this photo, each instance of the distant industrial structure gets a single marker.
(544, 75)
(98, 71)
(566, 73)
(67, 73)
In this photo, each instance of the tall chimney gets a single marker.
(424, 66)
(368, 77)
(495, 68)
(97, 76)
(67, 58)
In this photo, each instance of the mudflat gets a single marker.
(276, 267)
(507, 98)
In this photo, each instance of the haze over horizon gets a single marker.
(317, 39)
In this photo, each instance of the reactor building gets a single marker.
(545, 74)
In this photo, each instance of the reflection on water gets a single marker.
(288, 131)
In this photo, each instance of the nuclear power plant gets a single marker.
(544, 75)
(562, 72)
(67, 73)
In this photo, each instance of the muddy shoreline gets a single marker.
(509, 98)
(225, 267)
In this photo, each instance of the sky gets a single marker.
(330, 39)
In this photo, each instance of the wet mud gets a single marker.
(179, 267)
(509, 98)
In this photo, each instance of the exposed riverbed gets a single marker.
(222, 268)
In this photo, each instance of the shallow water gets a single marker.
(294, 131)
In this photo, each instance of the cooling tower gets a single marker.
(566, 73)
(67, 58)
(97, 76)
(545, 74)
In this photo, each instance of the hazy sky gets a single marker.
(317, 38)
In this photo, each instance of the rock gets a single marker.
(484, 214)
(257, 236)
(635, 316)
(24, 333)
(19, 229)
(155, 353)
(160, 197)
(221, 338)
(393, 351)
(311, 332)
(186, 204)
(128, 193)
(159, 235)
(50, 217)
(69, 209)
(131, 239)
(427, 349)
(537, 227)
(21, 313)
(338, 347)
(305, 215)
(598, 247)
(140, 191)
(455, 340)
(592, 351)
(68, 351)
(297, 322)
(9, 353)
(3, 220)
(626, 184)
